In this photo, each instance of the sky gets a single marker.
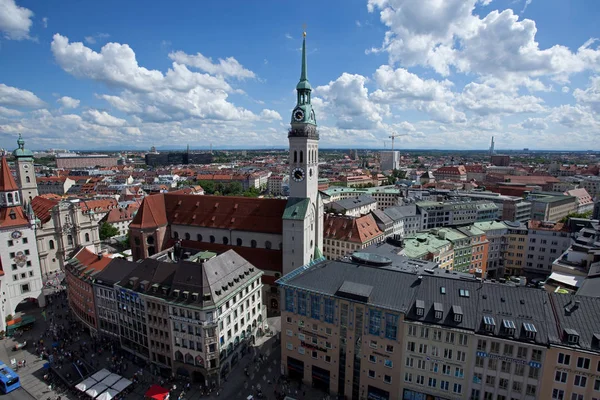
(439, 74)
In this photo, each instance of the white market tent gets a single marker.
(95, 390)
(111, 379)
(103, 373)
(85, 384)
(122, 384)
(108, 394)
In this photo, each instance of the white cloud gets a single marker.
(534, 124)
(68, 102)
(103, 118)
(445, 34)
(8, 112)
(229, 67)
(527, 3)
(591, 95)
(484, 99)
(15, 97)
(347, 99)
(574, 117)
(565, 89)
(15, 21)
(407, 126)
(94, 38)
(270, 115)
(45, 22)
(358, 23)
(401, 84)
(289, 37)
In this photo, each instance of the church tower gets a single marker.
(303, 218)
(25, 171)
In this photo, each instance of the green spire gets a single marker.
(303, 84)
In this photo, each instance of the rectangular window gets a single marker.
(329, 305)
(374, 322)
(302, 303)
(315, 306)
(564, 359)
(583, 363)
(391, 326)
(289, 300)
(580, 380)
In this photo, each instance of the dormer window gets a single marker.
(464, 293)
(420, 305)
(509, 327)
(458, 314)
(489, 323)
(530, 331)
(572, 336)
(176, 293)
(438, 310)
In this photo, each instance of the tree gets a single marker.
(107, 231)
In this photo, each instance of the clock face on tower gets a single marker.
(16, 235)
(298, 115)
(298, 174)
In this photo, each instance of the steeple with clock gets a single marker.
(303, 218)
(304, 139)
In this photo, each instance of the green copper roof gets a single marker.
(296, 208)
(303, 84)
(21, 151)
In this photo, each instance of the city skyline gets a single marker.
(449, 76)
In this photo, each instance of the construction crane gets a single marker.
(394, 135)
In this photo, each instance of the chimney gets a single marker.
(100, 256)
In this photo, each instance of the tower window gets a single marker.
(239, 241)
(9, 197)
(253, 243)
(51, 244)
(301, 156)
(295, 156)
(27, 179)
(267, 245)
(87, 237)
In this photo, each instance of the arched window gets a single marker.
(87, 237)
(267, 245)
(295, 156)
(176, 235)
(51, 244)
(212, 239)
(253, 243)
(199, 237)
(225, 240)
(151, 250)
(27, 179)
(70, 239)
(238, 241)
(187, 236)
(301, 156)
(150, 240)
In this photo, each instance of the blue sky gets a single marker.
(443, 74)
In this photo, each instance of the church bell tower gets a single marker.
(25, 171)
(303, 219)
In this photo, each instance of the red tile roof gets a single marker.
(91, 260)
(98, 205)
(151, 213)
(42, 206)
(223, 212)
(348, 229)
(7, 182)
(120, 214)
(12, 217)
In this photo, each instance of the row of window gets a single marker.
(225, 240)
(432, 382)
(582, 362)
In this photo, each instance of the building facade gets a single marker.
(389, 160)
(546, 241)
(71, 161)
(20, 274)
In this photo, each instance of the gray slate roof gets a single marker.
(582, 317)
(353, 202)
